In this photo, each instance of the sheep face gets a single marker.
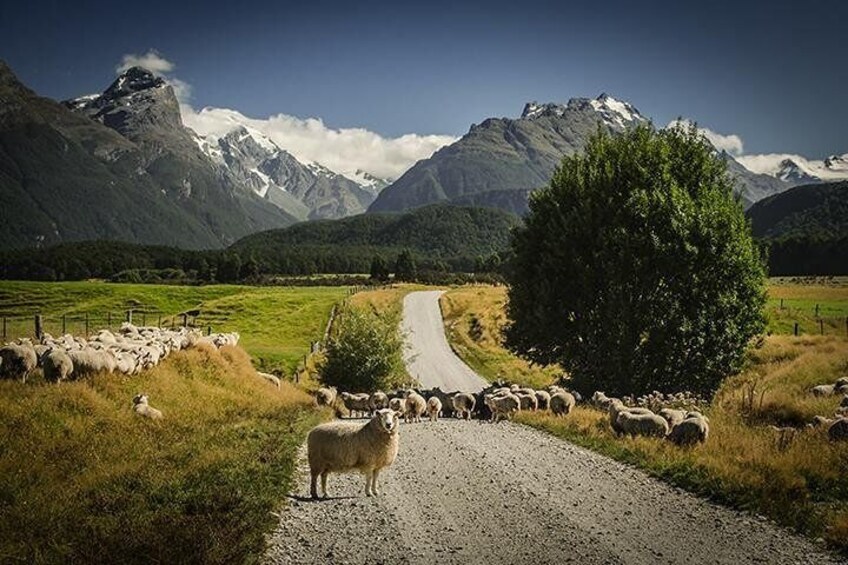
(389, 420)
(140, 399)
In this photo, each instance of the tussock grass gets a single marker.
(84, 479)
(799, 479)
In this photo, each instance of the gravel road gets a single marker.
(429, 358)
(471, 492)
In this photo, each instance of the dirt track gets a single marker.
(473, 492)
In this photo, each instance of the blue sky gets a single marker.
(774, 73)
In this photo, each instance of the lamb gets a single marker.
(356, 403)
(823, 390)
(649, 425)
(337, 447)
(838, 429)
(502, 405)
(142, 408)
(690, 431)
(463, 404)
(377, 401)
(528, 401)
(562, 403)
(17, 361)
(415, 406)
(543, 399)
(273, 379)
(326, 396)
(57, 365)
(434, 408)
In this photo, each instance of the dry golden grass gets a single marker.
(85, 479)
(474, 318)
(799, 479)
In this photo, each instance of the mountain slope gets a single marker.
(818, 211)
(502, 156)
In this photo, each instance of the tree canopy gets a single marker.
(636, 270)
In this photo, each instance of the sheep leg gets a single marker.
(374, 482)
(324, 483)
(313, 486)
(369, 475)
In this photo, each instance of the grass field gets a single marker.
(277, 324)
(85, 480)
(792, 301)
(801, 480)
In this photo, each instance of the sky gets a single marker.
(401, 79)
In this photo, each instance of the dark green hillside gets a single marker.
(805, 229)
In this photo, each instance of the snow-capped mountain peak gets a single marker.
(613, 112)
(797, 169)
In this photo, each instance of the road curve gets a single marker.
(428, 357)
(468, 492)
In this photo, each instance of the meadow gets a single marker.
(83, 479)
(277, 324)
(796, 477)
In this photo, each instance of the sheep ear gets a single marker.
(398, 414)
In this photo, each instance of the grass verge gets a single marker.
(84, 479)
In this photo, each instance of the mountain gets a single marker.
(306, 192)
(795, 169)
(810, 211)
(455, 235)
(500, 161)
(143, 109)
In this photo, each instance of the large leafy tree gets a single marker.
(635, 270)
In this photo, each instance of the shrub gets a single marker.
(364, 352)
(636, 270)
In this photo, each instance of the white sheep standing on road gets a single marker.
(434, 408)
(463, 405)
(415, 406)
(338, 447)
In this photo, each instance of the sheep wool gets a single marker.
(57, 365)
(463, 405)
(434, 408)
(338, 447)
(649, 425)
(690, 431)
(562, 403)
(142, 408)
(415, 406)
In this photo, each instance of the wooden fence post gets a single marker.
(781, 304)
(4, 327)
(209, 330)
(39, 328)
(160, 320)
(64, 325)
(86, 324)
(185, 320)
(129, 316)
(796, 328)
(817, 310)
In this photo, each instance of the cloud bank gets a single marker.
(731, 143)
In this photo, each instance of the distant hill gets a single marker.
(805, 229)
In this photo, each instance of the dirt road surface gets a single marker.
(471, 492)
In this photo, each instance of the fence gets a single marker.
(86, 323)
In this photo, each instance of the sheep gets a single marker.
(844, 402)
(690, 431)
(528, 401)
(642, 424)
(672, 416)
(434, 408)
(562, 403)
(600, 399)
(838, 430)
(142, 408)
(273, 379)
(57, 365)
(841, 382)
(89, 361)
(446, 398)
(326, 396)
(463, 404)
(543, 399)
(502, 405)
(823, 390)
(397, 405)
(356, 403)
(377, 401)
(616, 407)
(17, 361)
(339, 446)
(821, 422)
(415, 406)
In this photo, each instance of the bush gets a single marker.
(364, 352)
(636, 270)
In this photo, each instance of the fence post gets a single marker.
(185, 320)
(86, 324)
(39, 331)
(817, 310)
(64, 325)
(160, 321)
(821, 326)
(109, 320)
(209, 330)
(4, 327)
(781, 304)
(129, 316)
(796, 328)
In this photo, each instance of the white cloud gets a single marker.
(343, 150)
(153, 61)
(771, 164)
(731, 143)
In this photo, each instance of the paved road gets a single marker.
(429, 358)
(468, 492)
